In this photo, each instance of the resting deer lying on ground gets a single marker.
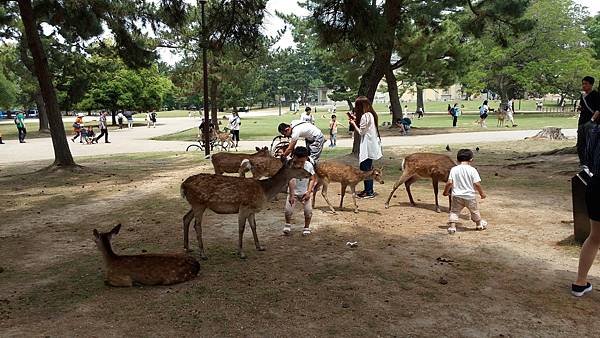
(232, 195)
(423, 165)
(230, 163)
(332, 171)
(148, 269)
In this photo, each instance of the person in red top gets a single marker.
(77, 125)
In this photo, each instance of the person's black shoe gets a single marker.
(107, 142)
(579, 290)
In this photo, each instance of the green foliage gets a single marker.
(593, 33)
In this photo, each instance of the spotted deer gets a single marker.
(423, 165)
(147, 269)
(332, 171)
(232, 195)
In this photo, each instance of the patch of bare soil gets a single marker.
(405, 277)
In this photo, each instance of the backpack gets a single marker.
(76, 125)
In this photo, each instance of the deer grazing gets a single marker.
(232, 195)
(230, 163)
(332, 171)
(147, 269)
(423, 165)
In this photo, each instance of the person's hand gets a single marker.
(596, 117)
(306, 196)
(445, 193)
(292, 200)
(483, 196)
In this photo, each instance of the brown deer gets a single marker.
(423, 165)
(230, 163)
(260, 166)
(232, 195)
(148, 269)
(332, 171)
(224, 138)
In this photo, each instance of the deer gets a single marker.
(333, 171)
(263, 166)
(146, 269)
(230, 163)
(224, 138)
(423, 165)
(501, 116)
(232, 195)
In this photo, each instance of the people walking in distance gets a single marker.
(77, 126)
(129, 116)
(455, 112)
(589, 109)
(483, 113)
(103, 128)
(333, 130)
(510, 112)
(120, 119)
(153, 119)
(308, 117)
(234, 127)
(366, 123)
(21, 129)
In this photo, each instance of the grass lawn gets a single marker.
(265, 128)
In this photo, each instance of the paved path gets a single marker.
(138, 140)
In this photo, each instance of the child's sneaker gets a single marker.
(482, 225)
(579, 290)
(452, 229)
(306, 232)
(287, 229)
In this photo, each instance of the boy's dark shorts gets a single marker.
(484, 116)
(592, 198)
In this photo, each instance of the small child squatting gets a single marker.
(300, 191)
(464, 182)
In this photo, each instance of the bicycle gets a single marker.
(278, 149)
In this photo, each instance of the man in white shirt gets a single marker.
(299, 129)
(464, 182)
(234, 127)
(307, 117)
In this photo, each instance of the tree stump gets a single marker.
(549, 133)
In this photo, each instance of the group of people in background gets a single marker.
(86, 134)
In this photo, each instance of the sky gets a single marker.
(273, 24)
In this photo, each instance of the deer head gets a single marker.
(100, 236)
(377, 175)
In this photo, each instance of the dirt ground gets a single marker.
(406, 277)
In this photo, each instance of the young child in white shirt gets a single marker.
(464, 183)
(300, 191)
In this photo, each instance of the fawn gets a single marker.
(230, 163)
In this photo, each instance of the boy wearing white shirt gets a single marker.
(308, 117)
(464, 183)
(300, 191)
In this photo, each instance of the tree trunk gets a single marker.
(62, 153)
(113, 114)
(42, 115)
(392, 84)
(420, 101)
(350, 104)
(550, 133)
(214, 107)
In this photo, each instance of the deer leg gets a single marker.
(342, 195)
(407, 184)
(252, 222)
(401, 181)
(435, 192)
(198, 227)
(187, 219)
(243, 215)
(353, 189)
(317, 186)
(324, 194)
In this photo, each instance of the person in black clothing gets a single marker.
(590, 247)
(589, 108)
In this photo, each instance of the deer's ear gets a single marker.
(96, 234)
(257, 148)
(116, 229)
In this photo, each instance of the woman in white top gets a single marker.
(370, 147)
